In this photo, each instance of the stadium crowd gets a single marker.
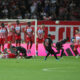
(40, 9)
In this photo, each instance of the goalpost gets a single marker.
(25, 21)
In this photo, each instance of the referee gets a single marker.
(48, 44)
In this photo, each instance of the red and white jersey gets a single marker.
(3, 32)
(40, 33)
(10, 30)
(77, 38)
(29, 31)
(18, 29)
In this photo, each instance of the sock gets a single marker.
(76, 52)
(8, 46)
(30, 45)
(2, 48)
(36, 52)
(27, 46)
(16, 44)
(36, 47)
(19, 44)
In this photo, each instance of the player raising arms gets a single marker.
(29, 37)
(40, 36)
(3, 32)
(17, 30)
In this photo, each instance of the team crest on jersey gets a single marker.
(2, 31)
(40, 31)
(17, 28)
(29, 30)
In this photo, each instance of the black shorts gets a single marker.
(18, 41)
(50, 50)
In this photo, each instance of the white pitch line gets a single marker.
(60, 69)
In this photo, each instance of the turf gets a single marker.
(68, 68)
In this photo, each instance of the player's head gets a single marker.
(2, 25)
(49, 35)
(77, 31)
(17, 22)
(42, 25)
(29, 24)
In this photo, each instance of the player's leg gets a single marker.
(37, 48)
(62, 52)
(2, 44)
(64, 41)
(28, 47)
(19, 42)
(0, 49)
(47, 55)
(3, 48)
(75, 49)
(9, 42)
(52, 52)
(16, 43)
(23, 53)
(31, 44)
(28, 44)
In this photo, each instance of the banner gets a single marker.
(58, 29)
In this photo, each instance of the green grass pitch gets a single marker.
(68, 68)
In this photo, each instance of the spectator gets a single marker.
(40, 9)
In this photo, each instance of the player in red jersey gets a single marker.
(77, 42)
(40, 36)
(17, 30)
(3, 32)
(29, 37)
(10, 35)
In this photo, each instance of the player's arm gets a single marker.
(53, 45)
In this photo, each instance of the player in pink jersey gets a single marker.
(77, 42)
(10, 35)
(3, 35)
(18, 33)
(29, 37)
(40, 36)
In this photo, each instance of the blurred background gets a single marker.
(40, 9)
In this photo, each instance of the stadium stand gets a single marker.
(40, 9)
